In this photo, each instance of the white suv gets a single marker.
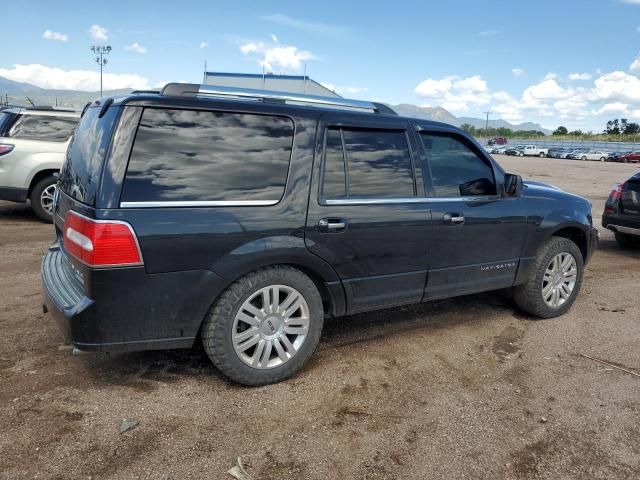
(33, 143)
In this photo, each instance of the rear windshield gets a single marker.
(80, 173)
(6, 119)
(43, 127)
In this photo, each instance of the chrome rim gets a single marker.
(559, 279)
(270, 326)
(46, 198)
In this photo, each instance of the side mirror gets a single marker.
(512, 185)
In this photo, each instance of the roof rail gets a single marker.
(214, 91)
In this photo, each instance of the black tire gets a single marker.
(541, 154)
(626, 240)
(528, 296)
(34, 198)
(217, 328)
(583, 158)
(602, 159)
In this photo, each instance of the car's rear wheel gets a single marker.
(583, 158)
(265, 326)
(602, 159)
(541, 154)
(627, 241)
(554, 280)
(41, 198)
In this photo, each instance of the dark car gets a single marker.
(622, 212)
(244, 218)
(517, 151)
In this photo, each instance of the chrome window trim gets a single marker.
(393, 201)
(200, 203)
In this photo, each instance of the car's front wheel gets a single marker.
(265, 326)
(541, 154)
(41, 198)
(554, 280)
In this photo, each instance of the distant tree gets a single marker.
(631, 128)
(576, 133)
(613, 127)
(467, 127)
(560, 131)
(623, 125)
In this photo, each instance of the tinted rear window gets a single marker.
(5, 120)
(80, 173)
(43, 127)
(186, 155)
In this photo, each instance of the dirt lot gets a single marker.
(463, 388)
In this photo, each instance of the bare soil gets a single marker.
(462, 388)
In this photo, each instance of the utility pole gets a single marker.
(100, 51)
(486, 125)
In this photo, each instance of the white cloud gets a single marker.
(455, 93)
(273, 37)
(518, 72)
(550, 76)
(136, 47)
(631, 2)
(635, 65)
(617, 86)
(98, 33)
(277, 57)
(204, 44)
(615, 107)
(345, 89)
(50, 35)
(85, 80)
(489, 33)
(307, 26)
(579, 76)
(547, 89)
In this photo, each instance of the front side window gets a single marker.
(43, 127)
(189, 155)
(456, 170)
(361, 163)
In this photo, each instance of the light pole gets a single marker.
(100, 51)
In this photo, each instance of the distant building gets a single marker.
(269, 81)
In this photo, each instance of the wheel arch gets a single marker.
(39, 176)
(577, 235)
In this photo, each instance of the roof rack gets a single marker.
(214, 91)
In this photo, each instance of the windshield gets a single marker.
(81, 171)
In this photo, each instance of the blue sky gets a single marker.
(554, 62)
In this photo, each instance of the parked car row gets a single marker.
(568, 153)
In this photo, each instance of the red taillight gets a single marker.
(5, 148)
(616, 192)
(101, 243)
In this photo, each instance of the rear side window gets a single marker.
(187, 155)
(43, 127)
(456, 170)
(362, 163)
(81, 170)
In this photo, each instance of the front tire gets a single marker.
(554, 280)
(41, 198)
(541, 154)
(265, 326)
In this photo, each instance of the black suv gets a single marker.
(245, 218)
(622, 212)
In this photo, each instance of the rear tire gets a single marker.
(541, 154)
(626, 240)
(583, 158)
(531, 295)
(602, 159)
(41, 198)
(248, 313)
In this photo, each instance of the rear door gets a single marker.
(368, 216)
(477, 234)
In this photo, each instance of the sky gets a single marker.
(571, 62)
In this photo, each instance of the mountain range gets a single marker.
(17, 93)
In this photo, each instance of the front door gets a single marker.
(478, 233)
(368, 216)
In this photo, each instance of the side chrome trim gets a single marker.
(622, 229)
(197, 203)
(395, 201)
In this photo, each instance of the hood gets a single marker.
(540, 185)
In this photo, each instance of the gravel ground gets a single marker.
(461, 388)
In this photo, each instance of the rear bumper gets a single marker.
(126, 309)
(13, 194)
(622, 224)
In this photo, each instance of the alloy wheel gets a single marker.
(46, 198)
(270, 326)
(559, 279)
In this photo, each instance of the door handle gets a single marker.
(453, 219)
(332, 225)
